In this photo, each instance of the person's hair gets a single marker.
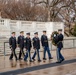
(27, 33)
(44, 31)
(22, 32)
(13, 33)
(36, 33)
(59, 29)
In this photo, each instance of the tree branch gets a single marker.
(41, 2)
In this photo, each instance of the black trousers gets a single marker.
(13, 53)
(21, 52)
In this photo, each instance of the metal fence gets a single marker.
(68, 43)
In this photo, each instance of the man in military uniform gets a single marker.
(21, 44)
(36, 46)
(44, 41)
(27, 45)
(13, 45)
(60, 37)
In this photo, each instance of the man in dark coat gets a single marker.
(60, 37)
(44, 41)
(13, 45)
(27, 45)
(36, 46)
(21, 44)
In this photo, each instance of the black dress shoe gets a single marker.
(39, 60)
(30, 60)
(62, 60)
(10, 59)
(51, 58)
(33, 59)
(16, 59)
(58, 62)
(20, 58)
(44, 59)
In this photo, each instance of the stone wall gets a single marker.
(7, 26)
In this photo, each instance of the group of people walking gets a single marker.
(26, 42)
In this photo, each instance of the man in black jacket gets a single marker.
(13, 45)
(44, 41)
(21, 44)
(60, 37)
(36, 46)
(27, 45)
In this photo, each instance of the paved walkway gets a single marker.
(68, 67)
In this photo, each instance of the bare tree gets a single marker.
(40, 10)
(51, 7)
(68, 14)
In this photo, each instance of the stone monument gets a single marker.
(7, 26)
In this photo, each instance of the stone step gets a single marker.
(1, 53)
(8, 52)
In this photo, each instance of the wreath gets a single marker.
(54, 38)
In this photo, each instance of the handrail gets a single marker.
(51, 46)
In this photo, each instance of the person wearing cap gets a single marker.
(36, 46)
(27, 45)
(60, 36)
(13, 45)
(21, 44)
(44, 41)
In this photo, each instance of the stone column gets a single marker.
(18, 27)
